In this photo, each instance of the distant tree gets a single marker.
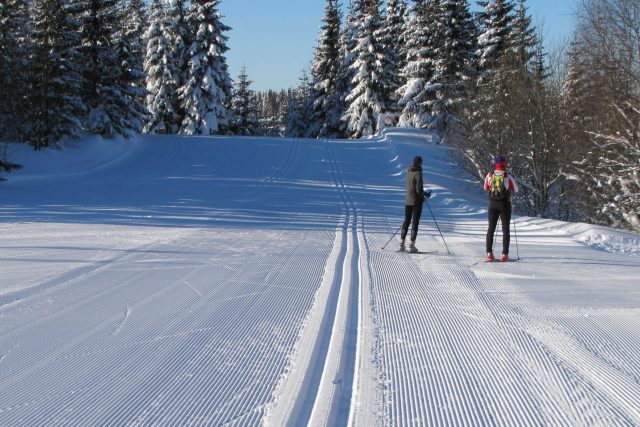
(298, 114)
(206, 93)
(244, 119)
(56, 102)
(325, 103)
(364, 104)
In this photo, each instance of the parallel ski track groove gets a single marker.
(333, 397)
(490, 402)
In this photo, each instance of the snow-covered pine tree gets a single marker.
(496, 29)
(325, 103)
(364, 104)
(297, 117)
(179, 39)
(206, 93)
(524, 40)
(160, 69)
(56, 102)
(14, 82)
(128, 42)
(348, 43)
(392, 36)
(244, 119)
(420, 36)
(452, 68)
(106, 87)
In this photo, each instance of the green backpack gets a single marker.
(497, 190)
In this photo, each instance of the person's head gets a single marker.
(500, 163)
(417, 162)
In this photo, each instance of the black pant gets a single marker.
(499, 209)
(411, 212)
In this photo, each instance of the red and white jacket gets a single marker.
(509, 181)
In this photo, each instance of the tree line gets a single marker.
(481, 81)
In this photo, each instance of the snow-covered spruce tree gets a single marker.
(107, 88)
(56, 102)
(298, 114)
(392, 36)
(14, 81)
(244, 120)
(179, 39)
(131, 78)
(325, 103)
(421, 38)
(206, 93)
(452, 68)
(348, 43)
(160, 69)
(364, 103)
(496, 22)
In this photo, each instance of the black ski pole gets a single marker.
(437, 226)
(515, 233)
(394, 235)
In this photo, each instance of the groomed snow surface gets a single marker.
(209, 281)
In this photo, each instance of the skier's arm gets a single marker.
(513, 184)
(487, 182)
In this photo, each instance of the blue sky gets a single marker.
(275, 39)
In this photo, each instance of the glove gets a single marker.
(427, 194)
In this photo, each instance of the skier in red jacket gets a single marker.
(500, 185)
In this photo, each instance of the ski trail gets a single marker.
(127, 313)
(322, 378)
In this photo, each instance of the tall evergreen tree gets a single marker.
(245, 119)
(496, 28)
(206, 93)
(452, 67)
(108, 90)
(393, 38)
(325, 103)
(14, 81)
(421, 36)
(130, 80)
(160, 69)
(56, 101)
(348, 43)
(365, 101)
(179, 39)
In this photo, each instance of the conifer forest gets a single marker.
(480, 77)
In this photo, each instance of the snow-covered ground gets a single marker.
(241, 281)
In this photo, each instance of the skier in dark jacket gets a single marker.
(500, 185)
(414, 199)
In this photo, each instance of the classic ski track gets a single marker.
(333, 404)
(322, 376)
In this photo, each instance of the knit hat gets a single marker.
(500, 162)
